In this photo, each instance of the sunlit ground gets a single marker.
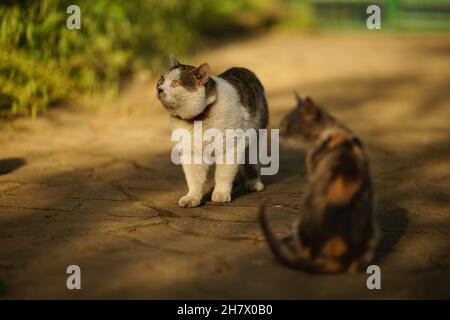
(98, 189)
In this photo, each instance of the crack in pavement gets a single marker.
(246, 239)
(147, 245)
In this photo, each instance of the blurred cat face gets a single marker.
(181, 90)
(306, 121)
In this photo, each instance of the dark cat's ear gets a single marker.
(298, 99)
(174, 63)
(202, 73)
(310, 109)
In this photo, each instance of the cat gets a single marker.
(337, 232)
(234, 99)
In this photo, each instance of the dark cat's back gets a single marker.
(338, 226)
(250, 91)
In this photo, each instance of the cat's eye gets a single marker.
(161, 80)
(175, 83)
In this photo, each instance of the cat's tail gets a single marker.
(281, 251)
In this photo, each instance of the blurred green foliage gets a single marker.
(42, 61)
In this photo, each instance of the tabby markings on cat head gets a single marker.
(185, 90)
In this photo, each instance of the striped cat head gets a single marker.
(306, 121)
(184, 90)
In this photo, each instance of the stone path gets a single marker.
(99, 190)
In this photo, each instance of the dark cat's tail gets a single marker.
(281, 251)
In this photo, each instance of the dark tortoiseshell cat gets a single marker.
(337, 231)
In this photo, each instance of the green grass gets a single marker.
(42, 62)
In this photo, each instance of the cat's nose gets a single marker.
(160, 90)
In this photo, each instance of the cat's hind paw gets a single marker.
(254, 185)
(189, 201)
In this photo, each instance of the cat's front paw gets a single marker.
(189, 201)
(221, 196)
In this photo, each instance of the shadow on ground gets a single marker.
(131, 207)
(10, 164)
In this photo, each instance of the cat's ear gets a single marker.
(298, 99)
(202, 73)
(310, 109)
(174, 62)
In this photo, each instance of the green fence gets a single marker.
(395, 14)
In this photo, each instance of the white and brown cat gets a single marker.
(234, 99)
(337, 232)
